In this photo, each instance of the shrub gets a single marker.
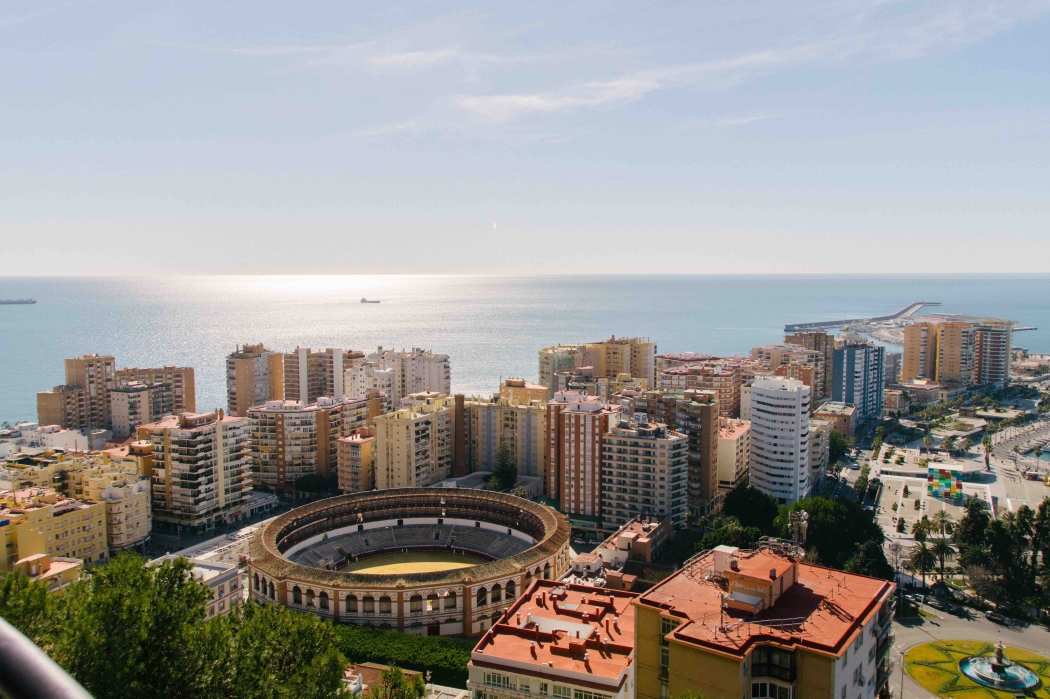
(917, 503)
(445, 657)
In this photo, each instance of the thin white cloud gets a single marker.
(412, 59)
(390, 129)
(727, 121)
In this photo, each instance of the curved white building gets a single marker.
(779, 461)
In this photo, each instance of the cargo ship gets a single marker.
(367, 301)
(16, 302)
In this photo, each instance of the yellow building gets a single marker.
(522, 389)
(40, 521)
(634, 356)
(734, 452)
(919, 359)
(762, 624)
(414, 444)
(956, 346)
(519, 422)
(53, 571)
(254, 375)
(356, 460)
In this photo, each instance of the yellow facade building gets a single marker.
(521, 423)
(523, 390)
(414, 444)
(763, 625)
(356, 460)
(41, 521)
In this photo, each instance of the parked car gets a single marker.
(995, 617)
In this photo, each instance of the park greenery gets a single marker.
(841, 534)
(505, 471)
(133, 630)
(445, 657)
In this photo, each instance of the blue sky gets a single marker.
(531, 137)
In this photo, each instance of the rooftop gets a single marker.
(821, 610)
(834, 408)
(580, 633)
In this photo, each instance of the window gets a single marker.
(582, 694)
(297, 595)
(370, 605)
(495, 679)
(562, 692)
(769, 661)
(450, 601)
(384, 605)
(483, 597)
(323, 600)
(543, 688)
(415, 604)
(351, 604)
(769, 690)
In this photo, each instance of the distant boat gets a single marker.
(25, 302)
(363, 300)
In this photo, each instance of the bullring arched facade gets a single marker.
(463, 601)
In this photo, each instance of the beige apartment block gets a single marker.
(415, 371)
(956, 352)
(356, 460)
(41, 521)
(183, 389)
(201, 469)
(720, 376)
(819, 342)
(414, 445)
(841, 416)
(919, 359)
(644, 472)
(734, 449)
(634, 356)
(368, 379)
(819, 452)
(992, 355)
(522, 389)
(575, 426)
(291, 440)
(555, 359)
(796, 362)
(310, 374)
(83, 401)
(129, 407)
(254, 375)
(519, 422)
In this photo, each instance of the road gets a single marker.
(912, 632)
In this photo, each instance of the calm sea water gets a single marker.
(491, 327)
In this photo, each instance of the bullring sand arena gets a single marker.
(430, 561)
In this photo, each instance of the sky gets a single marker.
(588, 137)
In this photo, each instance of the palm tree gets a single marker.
(942, 521)
(986, 442)
(967, 445)
(923, 558)
(943, 548)
(928, 441)
(921, 529)
(1038, 452)
(948, 444)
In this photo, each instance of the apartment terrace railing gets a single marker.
(27, 673)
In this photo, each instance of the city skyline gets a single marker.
(758, 139)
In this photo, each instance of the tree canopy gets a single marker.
(133, 630)
(505, 470)
(836, 530)
(871, 560)
(837, 446)
(751, 507)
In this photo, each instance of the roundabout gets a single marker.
(955, 668)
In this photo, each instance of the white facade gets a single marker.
(360, 380)
(779, 459)
(30, 434)
(416, 371)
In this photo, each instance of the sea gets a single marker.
(491, 326)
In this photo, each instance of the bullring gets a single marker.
(482, 550)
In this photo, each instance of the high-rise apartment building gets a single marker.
(518, 422)
(180, 393)
(367, 379)
(415, 371)
(356, 457)
(992, 353)
(644, 472)
(415, 444)
(796, 362)
(555, 359)
(129, 407)
(956, 350)
(696, 416)
(819, 453)
(819, 342)
(291, 440)
(734, 449)
(308, 375)
(254, 375)
(720, 376)
(920, 352)
(892, 373)
(779, 459)
(575, 427)
(634, 356)
(83, 402)
(201, 469)
(858, 376)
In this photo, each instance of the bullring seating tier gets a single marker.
(332, 552)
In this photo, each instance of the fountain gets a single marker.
(998, 673)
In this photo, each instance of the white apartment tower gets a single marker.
(364, 378)
(780, 446)
(415, 371)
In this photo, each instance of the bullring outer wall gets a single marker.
(465, 601)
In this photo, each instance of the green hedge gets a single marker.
(445, 657)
